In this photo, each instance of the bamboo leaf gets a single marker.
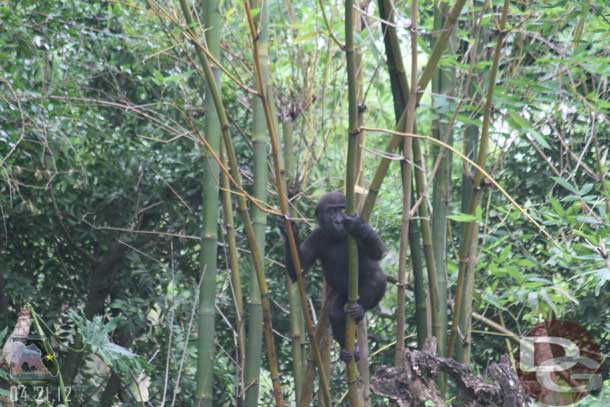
(462, 217)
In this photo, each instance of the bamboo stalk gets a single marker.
(416, 92)
(310, 372)
(402, 263)
(400, 91)
(209, 244)
(418, 158)
(425, 78)
(359, 172)
(284, 200)
(424, 213)
(243, 211)
(235, 279)
(396, 69)
(443, 83)
(259, 219)
(471, 135)
(296, 314)
(350, 179)
(419, 282)
(406, 196)
(359, 195)
(465, 282)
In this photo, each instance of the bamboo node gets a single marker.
(500, 32)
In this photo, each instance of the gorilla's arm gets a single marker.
(366, 236)
(308, 251)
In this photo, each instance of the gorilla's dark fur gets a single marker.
(328, 243)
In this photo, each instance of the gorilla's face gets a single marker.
(331, 215)
(331, 221)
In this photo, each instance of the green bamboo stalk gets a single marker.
(419, 281)
(350, 180)
(320, 334)
(419, 173)
(465, 282)
(425, 78)
(359, 195)
(244, 214)
(420, 184)
(396, 69)
(406, 200)
(466, 309)
(443, 83)
(296, 330)
(209, 245)
(471, 136)
(296, 315)
(359, 171)
(419, 164)
(254, 339)
(235, 279)
(420, 178)
(262, 91)
(259, 220)
(400, 91)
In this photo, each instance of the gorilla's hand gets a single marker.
(355, 311)
(353, 225)
(287, 255)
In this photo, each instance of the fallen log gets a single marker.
(414, 384)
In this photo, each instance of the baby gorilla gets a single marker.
(328, 243)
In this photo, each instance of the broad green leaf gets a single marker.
(565, 184)
(547, 299)
(589, 220)
(557, 207)
(565, 294)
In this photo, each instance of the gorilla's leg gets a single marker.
(338, 317)
(371, 290)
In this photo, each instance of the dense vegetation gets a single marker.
(104, 111)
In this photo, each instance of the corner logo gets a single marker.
(559, 363)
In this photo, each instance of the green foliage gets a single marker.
(100, 173)
(95, 335)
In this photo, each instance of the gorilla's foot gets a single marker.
(347, 356)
